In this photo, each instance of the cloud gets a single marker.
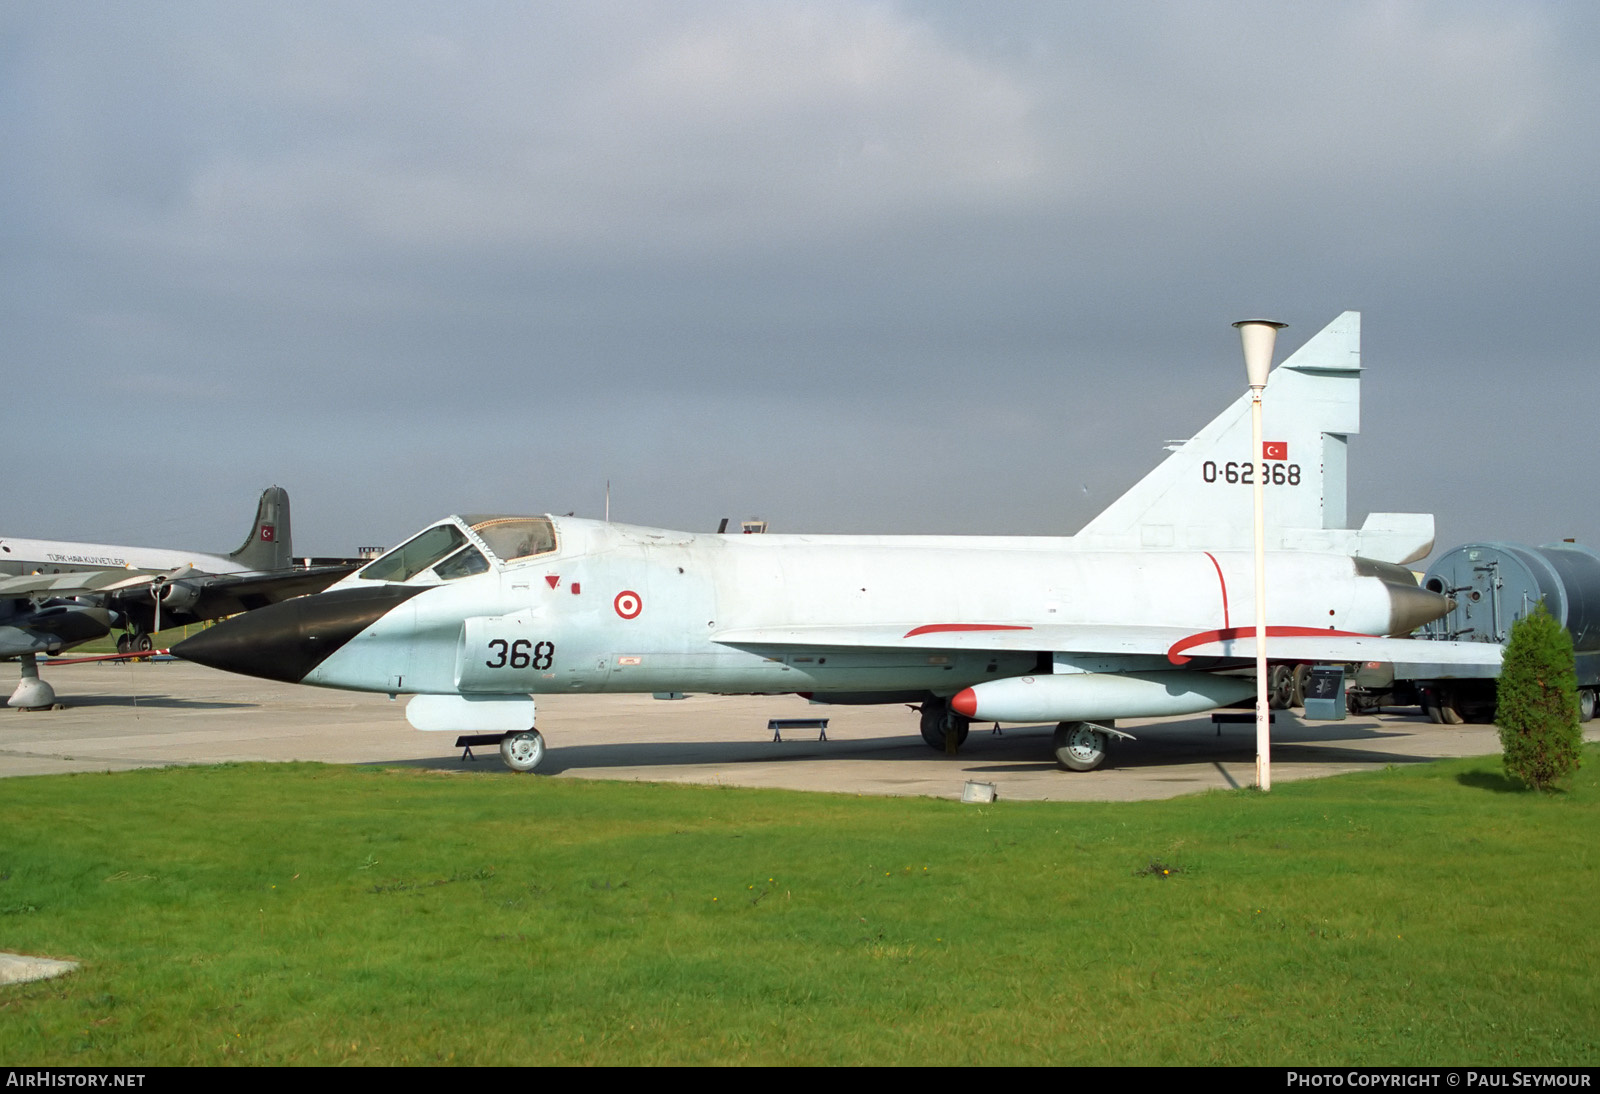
(728, 127)
(935, 256)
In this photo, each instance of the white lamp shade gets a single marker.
(1259, 337)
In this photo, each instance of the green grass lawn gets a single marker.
(318, 914)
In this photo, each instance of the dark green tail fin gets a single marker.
(268, 546)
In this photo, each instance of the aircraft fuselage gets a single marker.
(48, 556)
(614, 608)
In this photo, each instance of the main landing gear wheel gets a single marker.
(1286, 686)
(32, 693)
(942, 728)
(1079, 746)
(1439, 704)
(522, 751)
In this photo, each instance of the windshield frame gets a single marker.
(417, 555)
(419, 558)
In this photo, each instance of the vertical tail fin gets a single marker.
(268, 546)
(1201, 496)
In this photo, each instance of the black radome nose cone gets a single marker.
(286, 641)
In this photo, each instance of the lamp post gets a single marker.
(1259, 336)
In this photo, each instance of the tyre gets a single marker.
(942, 729)
(522, 751)
(1079, 746)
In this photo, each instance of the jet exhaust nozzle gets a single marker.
(1410, 605)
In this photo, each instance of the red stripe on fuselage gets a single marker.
(1175, 653)
(941, 628)
(1222, 582)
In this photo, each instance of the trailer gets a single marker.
(1493, 585)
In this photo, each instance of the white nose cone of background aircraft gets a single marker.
(1147, 611)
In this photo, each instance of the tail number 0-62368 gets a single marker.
(522, 654)
(1273, 473)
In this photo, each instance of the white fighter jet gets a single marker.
(1147, 611)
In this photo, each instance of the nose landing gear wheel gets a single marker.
(1079, 746)
(522, 751)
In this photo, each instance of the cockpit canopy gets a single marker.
(513, 538)
(449, 553)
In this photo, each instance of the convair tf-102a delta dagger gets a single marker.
(1145, 612)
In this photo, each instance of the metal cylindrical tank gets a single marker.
(1495, 584)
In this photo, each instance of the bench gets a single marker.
(467, 740)
(1238, 716)
(778, 725)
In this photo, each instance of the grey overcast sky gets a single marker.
(936, 267)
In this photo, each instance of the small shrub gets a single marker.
(1538, 702)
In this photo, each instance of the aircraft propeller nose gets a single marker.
(285, 641)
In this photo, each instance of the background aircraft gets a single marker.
(58, 595)
(1144, 612)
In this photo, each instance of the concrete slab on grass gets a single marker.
(16, 968)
